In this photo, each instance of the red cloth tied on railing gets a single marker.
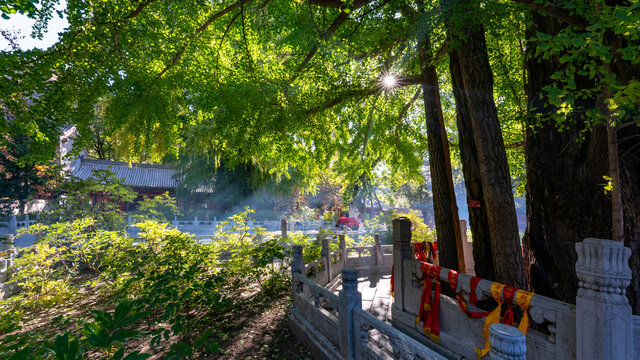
(453, 282)
(419, 247)
(430, 306)
(523, 299)
(508, 293)
(433, 249)
(393, 293)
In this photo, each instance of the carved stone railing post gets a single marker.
(283, 227)
(343, 248)
(604, 322)
(13, 225)
(326, 255)
(297, 261)
(377, 250)
(507, 343)
(349, 299)
(401, 252)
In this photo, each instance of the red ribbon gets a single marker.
(508, 293)
(433, 249)
(420, 251)
(453, 281)
(430, 307)
(473, 297)
(393, 293)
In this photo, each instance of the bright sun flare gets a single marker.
(389, 81)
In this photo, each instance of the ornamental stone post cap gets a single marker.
(350, 280)
(349, 274)
(507, 341)
(605, 257)
(603, 270)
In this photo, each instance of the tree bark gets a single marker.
(477, 82)
(629, 150)
(565, 198)
(445, 208)
(560, 172)
(478, 221)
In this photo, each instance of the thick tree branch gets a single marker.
(408, 105)
(132, 15)
(334, 26)
(558, 13)
(342, 17)
(373, 88)
(337, 3)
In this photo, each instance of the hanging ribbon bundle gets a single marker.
(433, 249)
(419, 247)
(523, 298)
(430, 306)
(473, 299)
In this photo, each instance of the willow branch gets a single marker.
(198, 31)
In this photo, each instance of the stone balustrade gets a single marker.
(335, 326)
(325, 269)
(599, 326)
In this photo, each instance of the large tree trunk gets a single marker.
(477, 81)
(445, 208)
(565, 198)
(629, 150)
(478, 220)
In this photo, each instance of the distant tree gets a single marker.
(20, 177)
(99, 197)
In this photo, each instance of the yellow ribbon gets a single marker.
(493, 318)
(523, 298)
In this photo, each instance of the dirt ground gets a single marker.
(254, 327)
(259, 331)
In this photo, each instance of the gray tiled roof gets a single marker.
(136, 175)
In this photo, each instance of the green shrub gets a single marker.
(164, 279)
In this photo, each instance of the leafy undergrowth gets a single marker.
(254, 326)
(89, 293)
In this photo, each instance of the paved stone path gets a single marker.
(376, 300)
(376, 295)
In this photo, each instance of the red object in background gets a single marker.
(474, 203)
(348, 221)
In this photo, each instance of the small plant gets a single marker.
(159, 208)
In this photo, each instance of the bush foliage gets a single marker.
(159, 287)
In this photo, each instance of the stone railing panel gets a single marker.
(390, 343)
(317, 305)
(636, 337)
(462, 334)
